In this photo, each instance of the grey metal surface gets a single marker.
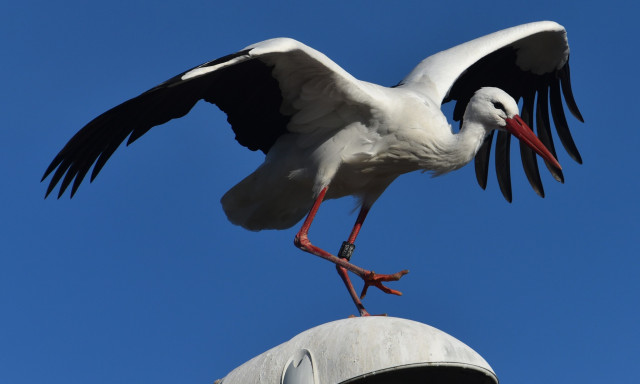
(367, 350)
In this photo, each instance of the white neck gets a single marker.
(469, 140)
(438, 150)
(458, 149)
(452, 151)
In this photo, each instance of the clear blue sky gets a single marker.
(141, 279)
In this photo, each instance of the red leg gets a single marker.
(342, 264)
(373, 278)
(359, 221)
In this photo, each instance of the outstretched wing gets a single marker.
(266, 90)
(530, 62)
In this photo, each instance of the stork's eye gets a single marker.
(498, 105)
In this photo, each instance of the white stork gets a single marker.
(327, 134)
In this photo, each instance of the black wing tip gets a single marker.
(573, 108)
(502, 164)
(66, 181)
(572, 151)
(565, 79)
(481, 177)
(539, 191)
(48, 192)
(481, 162)
(555, 172)
(50, 189)
(61, 191)
(52, 167)
(51, 185)
(506, 191)
(576, 156)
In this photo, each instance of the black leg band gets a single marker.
(346, 250)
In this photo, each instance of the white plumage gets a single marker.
(327, 134)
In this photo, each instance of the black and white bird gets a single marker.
(327, 134)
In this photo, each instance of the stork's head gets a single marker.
(495, 109)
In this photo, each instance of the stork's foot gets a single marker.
(373, 279)
(369, 278)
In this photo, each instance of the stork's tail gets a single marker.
(267, 201)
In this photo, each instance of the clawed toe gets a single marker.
(376, 280)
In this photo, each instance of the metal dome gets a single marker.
(367, 350)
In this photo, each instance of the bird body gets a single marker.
(328, 135)
(361, 159)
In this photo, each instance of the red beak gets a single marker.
(521, 130)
